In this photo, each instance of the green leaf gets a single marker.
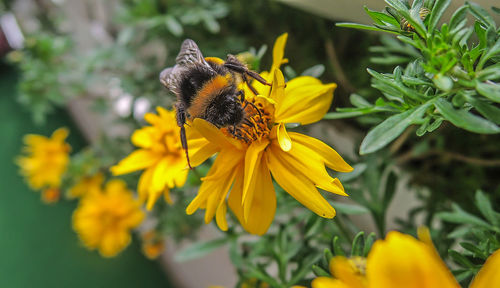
(464, 119)
(491, 72)
(359, 168)
(460, 216)
(337, 249)
(211, 24)
(314, 71)
(390, 129)
(320, 272)
(437, 12)
(359, 101)
(489, 90)
(489, 111)
(496, 9)
(357, 244)
(464, 275)
(485, 207)
(304, 268)
(387, 80)
(369, 243)
(442, 82)
(350, 209)
(478, 253)
(458, 17)
(412, 17)
(381, 18)
(495, 49)
(460, 259)
(362, 27)
(200, 249)
(173, 26)
(480, 14)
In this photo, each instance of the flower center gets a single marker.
(255, 125)
(358, 264)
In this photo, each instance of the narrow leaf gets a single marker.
(485, 207)
(437, 12)
(391, 128)
(489, 90)
(362, 27)
(357, 244)
(200, 249)
(350, 209)
(489, 111)
(464, 119)
(481, 14)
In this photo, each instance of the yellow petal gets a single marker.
(283, 138)
(277, 93)
(331, 158)
(145, 183)
(137, 160)
(218, 196)
(402, 261)
(220, 216)
(60, 134)
(296, 184)
(153, 195)
(325, 282)
(343, 269)
(311, 166)
(143, 137)
(222, 168)
(214, 135)
(166, 196)
(253, 157)
(489, 275)
(160, 177)
(279, 51)
(306, 101)
(262, 208)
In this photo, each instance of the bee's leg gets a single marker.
(241, 94)
(258, 110)
(181, 120)
(234, 64)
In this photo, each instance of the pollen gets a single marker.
(256, 124)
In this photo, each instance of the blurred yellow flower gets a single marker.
(103, 220)
(152, 244)
(45, 160)
(260, 146)
(86, 185)
(402, 261)
(160, 155)
(51, 195)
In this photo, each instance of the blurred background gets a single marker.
(93, 66)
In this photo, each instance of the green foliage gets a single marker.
(46, 82)
(477, 235)
(444, 74)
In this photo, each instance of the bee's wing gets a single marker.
(170, 78)
(189, 55)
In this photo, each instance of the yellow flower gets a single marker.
(402, 261)
(152, 244)
(103, 220)
(51, 195)
(260, 146)
(160, 155)
(46, 159)
(86, 185)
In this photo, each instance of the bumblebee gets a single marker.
(207, 88)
